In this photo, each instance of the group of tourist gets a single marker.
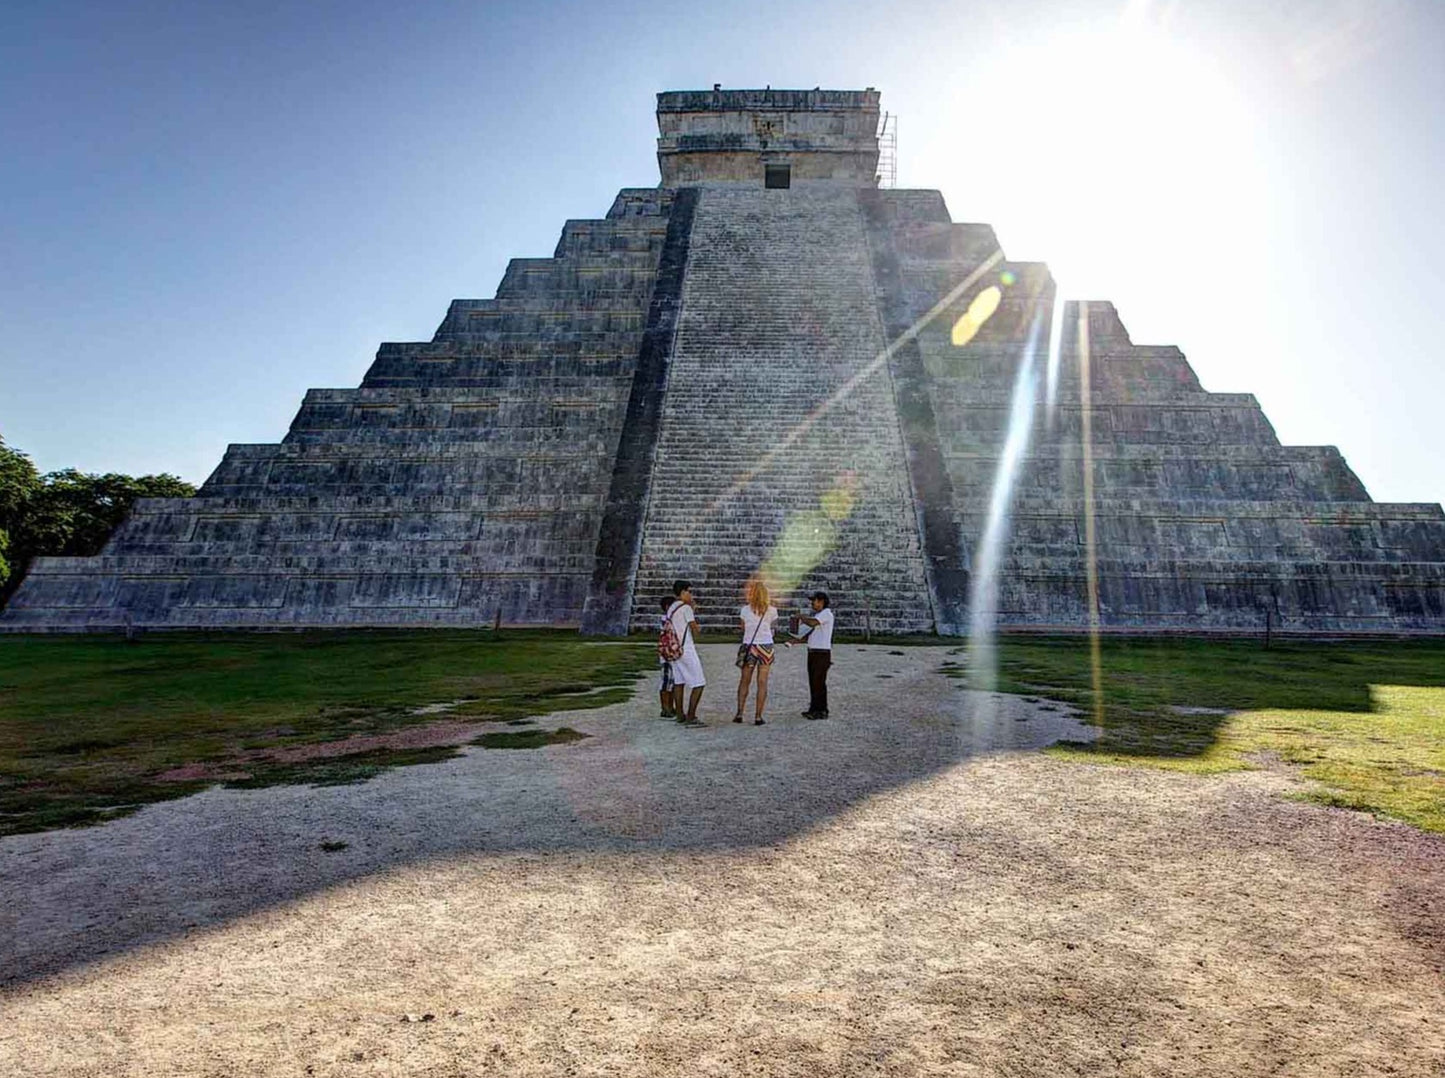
(682, 674)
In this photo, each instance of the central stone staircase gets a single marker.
(779, 450)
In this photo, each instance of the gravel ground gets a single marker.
(900, 890)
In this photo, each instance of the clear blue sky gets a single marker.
(207, 208)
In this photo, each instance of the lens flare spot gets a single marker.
(806, 540)
(1006, 278)
(979, 312)
(838, 500)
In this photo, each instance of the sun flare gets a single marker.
(1115, 145)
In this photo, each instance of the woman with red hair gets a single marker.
(756, 652)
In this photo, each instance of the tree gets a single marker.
(18, 482)
(65, 513)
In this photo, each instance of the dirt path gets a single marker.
(896, 891)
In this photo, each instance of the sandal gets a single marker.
(759, 722)
(738, 717)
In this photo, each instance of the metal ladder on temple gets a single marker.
(888, 150)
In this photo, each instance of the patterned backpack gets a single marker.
(669, 647)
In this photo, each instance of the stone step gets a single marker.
(330, 559)
(480, 439)
(1070, 505)
(533, 503)
(56, 600)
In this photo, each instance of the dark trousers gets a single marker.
(818, 663)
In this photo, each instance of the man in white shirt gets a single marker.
(820, 656)
(687, 670)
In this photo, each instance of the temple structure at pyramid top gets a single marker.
(767, 365)
(782, 136)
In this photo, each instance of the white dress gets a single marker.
(687, 670)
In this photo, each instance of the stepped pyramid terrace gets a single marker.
(767, 364)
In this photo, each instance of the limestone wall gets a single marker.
(728, 135)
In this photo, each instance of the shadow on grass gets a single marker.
(93, 728)
(1363, 720)
(1169, 697)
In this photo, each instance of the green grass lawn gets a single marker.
(1365, 720)
(88, 723)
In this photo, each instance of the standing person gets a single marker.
(664, 691)
(686, 670)
(820, 656)
(756, 653)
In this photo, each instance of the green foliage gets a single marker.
(528, 739)
(18, 481)
(349, 770)
(64, 513)
(88, 725)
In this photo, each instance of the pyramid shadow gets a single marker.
(639, 785)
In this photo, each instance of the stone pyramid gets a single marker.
(765, 365)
